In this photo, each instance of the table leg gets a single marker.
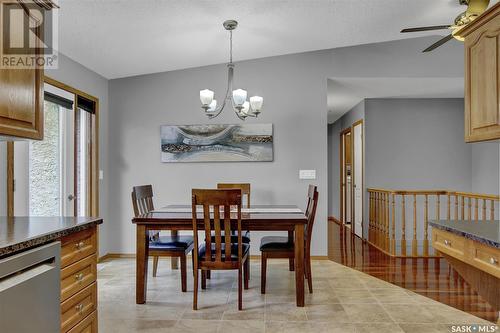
(141, 278)
(174, 261)
(299, 264)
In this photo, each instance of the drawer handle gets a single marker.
(447, 242)
(79, 308)
(493, 261)
(79, 245)
(79, 277)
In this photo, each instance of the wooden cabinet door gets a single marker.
(482, 74)
(21, 100)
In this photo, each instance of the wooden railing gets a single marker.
(399, 220)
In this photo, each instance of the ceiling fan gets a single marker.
(474, 9)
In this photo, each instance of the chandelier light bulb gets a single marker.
(206, 97)
(256, 103)
(239, 97)
(245, 108)
(212, 106)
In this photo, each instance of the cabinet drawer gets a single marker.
(449, 243)
(78, 307)
(78, 246)
(88, 325)
(486, 258)
(77, 276)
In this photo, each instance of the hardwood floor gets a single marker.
(432, 277)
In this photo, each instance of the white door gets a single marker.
(44, 178)
(358, 178)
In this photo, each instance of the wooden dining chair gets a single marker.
(221, 254)
(283, 247)
(161, 246)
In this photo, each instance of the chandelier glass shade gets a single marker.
(242, 107)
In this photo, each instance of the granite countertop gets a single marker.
(486, 232)
(21, 233)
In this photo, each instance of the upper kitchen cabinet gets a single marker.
(21, 82)
(21, 103)
(482, 75)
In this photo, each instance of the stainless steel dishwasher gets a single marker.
(30, 291)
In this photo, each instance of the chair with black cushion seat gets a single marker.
(161, 246)
(283, 247)
(221, 254)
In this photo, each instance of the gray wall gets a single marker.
(485, 167)
(82, 78)
(294, 91)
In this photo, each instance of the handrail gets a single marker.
(398, 215)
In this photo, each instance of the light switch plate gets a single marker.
(307, 174)
(101, 175)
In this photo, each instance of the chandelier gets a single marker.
(238, 97)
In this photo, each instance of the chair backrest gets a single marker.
(245, 189)
(215, 200)
(312, 202)
(142, 199)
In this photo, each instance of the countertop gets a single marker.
(486, 232)
(21, 233)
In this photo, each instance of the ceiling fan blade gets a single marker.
(439, 43)
(434, 27)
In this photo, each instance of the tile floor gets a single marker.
(344, 300)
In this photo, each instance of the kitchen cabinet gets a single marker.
(482, 75)
(79, 282)
(21, 102)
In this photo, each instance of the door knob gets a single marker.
(71, 197)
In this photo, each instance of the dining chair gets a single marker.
(221, 254)
(283, 247)
(161, 246)
(245, 191)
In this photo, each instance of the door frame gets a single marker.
(93, 182)
(353, 216)
(343, 133)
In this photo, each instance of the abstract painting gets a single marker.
(217, 143)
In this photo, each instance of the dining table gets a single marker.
(255, 218)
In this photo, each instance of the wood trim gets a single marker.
(341, 168)
(94, 174)
(10, 178)
(334, 219)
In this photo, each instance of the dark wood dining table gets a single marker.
(256, 218)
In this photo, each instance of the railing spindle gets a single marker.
(414, 245)
(426, 221)
(484, 210)
(393, 240)
(492, 210)
(456, 206)
(469, 211)
(476, 210)
(463, 208)
(438, 207)
(448, 211)
(403, 226)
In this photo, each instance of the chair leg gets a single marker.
(155, 265)
(263, 274)
(240, 291)
(309, 273)
(195, 290)
(246, 272)
(291, 264)
(183, 273)
(203, 279)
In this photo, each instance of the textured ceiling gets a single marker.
(119, 38)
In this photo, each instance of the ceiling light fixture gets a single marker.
(238, 97)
